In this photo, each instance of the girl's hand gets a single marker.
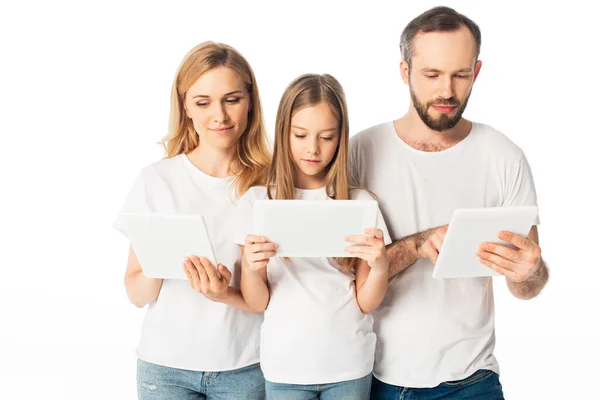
(370, 248)
(257, 252)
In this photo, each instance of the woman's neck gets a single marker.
(218, 163)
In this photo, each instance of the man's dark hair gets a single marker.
(438, 19)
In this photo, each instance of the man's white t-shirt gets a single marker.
(183, 329)
(431, 331)
(313, 330)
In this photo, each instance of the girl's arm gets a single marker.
(372, 270)
(256, 253)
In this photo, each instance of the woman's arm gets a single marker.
(140, 289)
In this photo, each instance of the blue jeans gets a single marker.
(356, 389)
(482, 385)
(157, 382)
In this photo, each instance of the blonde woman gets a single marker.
(317, 338)
(199, 339)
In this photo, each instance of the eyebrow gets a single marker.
(438, 71)
(304, 129)
(225, 95)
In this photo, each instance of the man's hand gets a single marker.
(518, 265)
(429, 243)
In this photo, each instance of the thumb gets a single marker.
(225, 273)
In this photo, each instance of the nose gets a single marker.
(220, 113)
(446, 88)
(313, 147)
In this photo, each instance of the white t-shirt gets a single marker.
(313, 330)
(431, 331)
(183, 329)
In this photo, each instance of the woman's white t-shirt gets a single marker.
(183, 329)
(313, 330)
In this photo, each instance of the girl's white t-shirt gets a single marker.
(183, 329)
(313, 330)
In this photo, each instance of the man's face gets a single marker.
(443, 70)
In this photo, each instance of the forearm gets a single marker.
(372, 291)
(233, 298)
(142, 290)
(255, 291)
(403, 253)
(531, 286)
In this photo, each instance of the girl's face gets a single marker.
(314, 139)
(218, 105)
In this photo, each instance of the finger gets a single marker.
(256, 248)
(378, 233)
(437, 241)
(251, 239)
(225, 273)
(265, 255)
(204, 281)
(503, 271)
(430, 252)
(502, 251)
(362, 249)
(210, 270)
(193, 272)
(188, 274)
(520, 241)
(360, 239)
(498, 260)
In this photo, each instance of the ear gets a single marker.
(404, 71)
(477, 69)
(250, 105)
(185, 108)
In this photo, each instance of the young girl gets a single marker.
(317, 338)
(202, 342)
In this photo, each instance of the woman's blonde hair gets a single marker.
(306, 91)
(253, 152)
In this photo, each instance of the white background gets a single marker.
(84, 97)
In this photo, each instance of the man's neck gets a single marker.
(411, 129)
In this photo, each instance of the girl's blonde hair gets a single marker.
(253, 152)
(306, 91)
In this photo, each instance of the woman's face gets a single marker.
(218, 105)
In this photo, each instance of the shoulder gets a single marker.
(361, 194)
(164, 169)
(495, 142)
(255, 193)
(371, 135)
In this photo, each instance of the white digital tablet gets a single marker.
(162, 242)
(313, 228)
(468, 228)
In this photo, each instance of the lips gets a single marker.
(311, 161)
(221, 130)
(443, 108)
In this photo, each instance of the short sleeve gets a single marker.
(135, 202)
(520, 186)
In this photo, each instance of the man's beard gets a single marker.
(444, 122)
